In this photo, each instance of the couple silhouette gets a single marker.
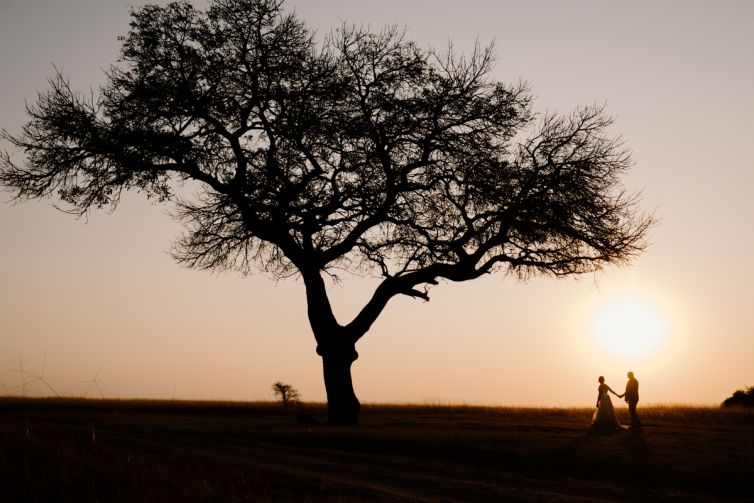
(604, 417)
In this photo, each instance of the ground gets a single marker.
(93, 450)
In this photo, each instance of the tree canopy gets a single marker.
(357, 150)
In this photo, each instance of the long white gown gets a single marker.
(605, 417)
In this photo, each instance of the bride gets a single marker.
(604, 417)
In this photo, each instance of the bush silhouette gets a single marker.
(287, 394)
(741, 398)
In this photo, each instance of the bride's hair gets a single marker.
(601, 379)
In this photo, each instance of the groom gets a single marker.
(632, 397)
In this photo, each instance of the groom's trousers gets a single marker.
(635, 423)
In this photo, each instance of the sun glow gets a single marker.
(629, 327)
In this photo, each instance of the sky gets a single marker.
(98, 300)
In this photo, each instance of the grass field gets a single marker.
(92, 450)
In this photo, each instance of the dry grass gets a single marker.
(94, 450)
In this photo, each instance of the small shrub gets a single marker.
(741, 398)
(286, 393)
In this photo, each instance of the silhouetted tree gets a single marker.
(741, 398)
(286, 393)
(359, 152)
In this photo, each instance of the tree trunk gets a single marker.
(343, 407)
(336, 346)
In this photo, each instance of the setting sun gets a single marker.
(629, 327)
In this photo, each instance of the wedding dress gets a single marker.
(604, 417)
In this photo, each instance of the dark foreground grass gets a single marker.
(86, 450)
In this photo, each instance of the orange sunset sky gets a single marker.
(102, 293)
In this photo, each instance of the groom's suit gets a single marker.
(632, 397)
